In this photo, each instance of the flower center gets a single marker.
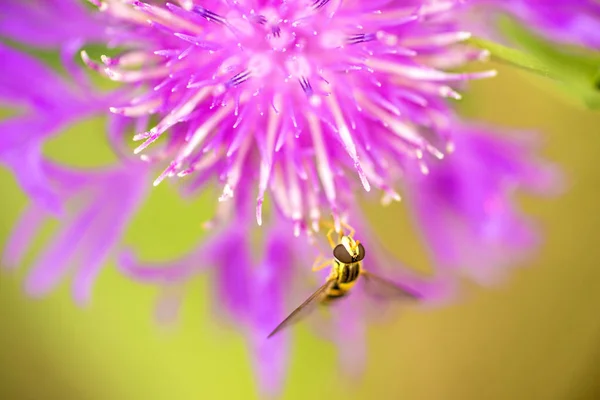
(294, 43)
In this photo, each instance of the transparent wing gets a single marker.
(382, 288)
(305, 308)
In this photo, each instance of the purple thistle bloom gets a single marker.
(574, 21)
(282, 97)
(291, 95)
(465, 209)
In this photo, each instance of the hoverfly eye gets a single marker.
(342, 255)
(361, 252)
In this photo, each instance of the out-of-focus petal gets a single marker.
(250, 294)
(91, 229)
(43, 23)
(465, 206)
(573, 22)
(350, 320)
(46, 104)
(27, 81)
(270, 281)
(234, 275)
(22, 234)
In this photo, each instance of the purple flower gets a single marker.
(294, 99)
(94, 206)
(99, 205)
(46, 104)
(573, 21)
(255, 296)
(465, 206)
(41, 23)
(290, 96)
(250, 294)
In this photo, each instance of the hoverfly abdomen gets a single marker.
(335, 292)
(348, 273)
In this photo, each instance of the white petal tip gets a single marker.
(464, 35)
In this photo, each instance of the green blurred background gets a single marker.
(536, 336)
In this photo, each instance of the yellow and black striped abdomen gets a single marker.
(346, 278)
(347, 273)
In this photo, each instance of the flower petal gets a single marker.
(464, 206)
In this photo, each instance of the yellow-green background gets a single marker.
(537, 336)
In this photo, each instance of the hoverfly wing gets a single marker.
(382, 288)
(305, 308)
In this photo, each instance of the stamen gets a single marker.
(306, 86)
(346, 137)
(235, 172)
(402, 130)
(361, 38)
(209, 15)
(319, 4)
(267, 158)
(323, 167)
(167, 18)
(420, 72)
(239, 79)
(200, 134)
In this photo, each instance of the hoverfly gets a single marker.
(346, 268)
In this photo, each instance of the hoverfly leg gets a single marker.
(320, 263)
(350, 228)
(332, 243)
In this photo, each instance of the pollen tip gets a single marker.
(464, 35)
(259, 203)
(336, 223)
(139, 136)
(484, 55)
(227, 193)
(297, 229)
(106, 59)
(364, 181)
(188, 5)
(315, 225)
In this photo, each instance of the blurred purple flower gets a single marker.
(95, 205)
(574, 21)
(250, 294)
(46, 104)
(291, 95)
(465, 206)
(255, 296)
(42, 23)
(99, 204)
